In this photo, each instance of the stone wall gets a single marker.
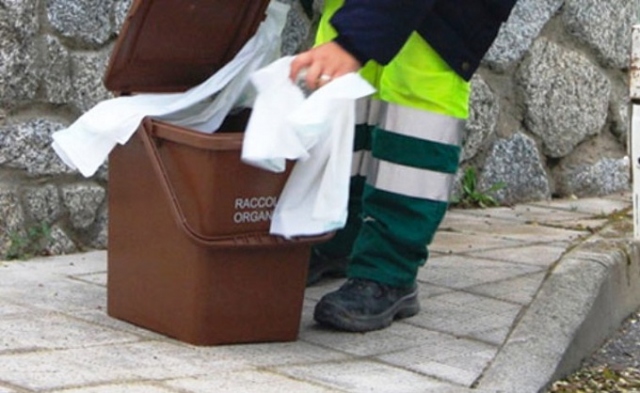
(549, 109)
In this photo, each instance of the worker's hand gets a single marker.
(322, 64)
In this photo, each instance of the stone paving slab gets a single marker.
(398, 337)
(46, 330)
(504, 299)
(544, 255)
(364, 376)
(521, 289)
(526, 230)
(596, 206)
(446, 357)
(42, 370)
(461, 271)
(453, 242)
(120, 388)
(248, 381)
(465, 315)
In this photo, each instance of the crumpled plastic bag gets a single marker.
(86, 144)
(318, 132)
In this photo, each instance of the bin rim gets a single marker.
(217, 141)
(252, 240)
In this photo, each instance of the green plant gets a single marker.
(471, 196)
(28, 243)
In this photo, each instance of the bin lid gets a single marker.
(172, 45)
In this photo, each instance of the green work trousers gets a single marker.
(406, 155)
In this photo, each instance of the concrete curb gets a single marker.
(585, 298)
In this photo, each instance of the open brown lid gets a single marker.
(172, 45)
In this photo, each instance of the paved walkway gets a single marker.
(511, 298)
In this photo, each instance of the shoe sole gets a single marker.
(337, 317)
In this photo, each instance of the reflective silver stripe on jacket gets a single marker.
(424, 125)
(410, 181)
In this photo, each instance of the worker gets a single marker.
(420, 56)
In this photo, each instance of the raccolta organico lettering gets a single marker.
(255, 209)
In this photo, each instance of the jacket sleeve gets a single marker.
(377, 29)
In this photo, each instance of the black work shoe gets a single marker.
(322, 266)
(361, 305)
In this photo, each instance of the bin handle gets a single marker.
(250, 239)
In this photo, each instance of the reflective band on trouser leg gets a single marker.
(404, 200)
(415, 156)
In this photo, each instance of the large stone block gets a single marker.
(20, 17)
(603, 25)
(83, 200)
(620, 113)
(56, 79)
(100, 239)
(565, 96)
(483, 117)
(11, 217)
(527, 19)
(88, 72)
(296, 33)
(516, 162)
(43, 203)
(19, 71)
(58, 243)
(605, 177)
(27, 146)
(86, 23)
(121, 8)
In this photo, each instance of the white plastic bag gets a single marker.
(86, 144)
(270, 138)
(318, 132)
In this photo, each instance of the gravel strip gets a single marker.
(614, 368)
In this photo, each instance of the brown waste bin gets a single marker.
(189, 252)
